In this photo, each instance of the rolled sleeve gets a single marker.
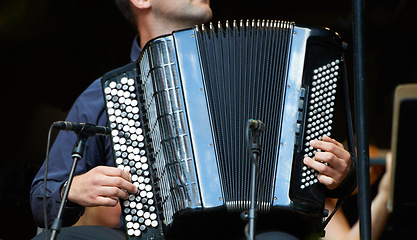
(72, 212)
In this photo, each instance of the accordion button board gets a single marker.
(320, 115)
(130, 154)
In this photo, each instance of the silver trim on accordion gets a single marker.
(178, 118)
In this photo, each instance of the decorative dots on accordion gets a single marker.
(320, 114)
(139, 210)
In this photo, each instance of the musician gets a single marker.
(97, 182)
(339, 228)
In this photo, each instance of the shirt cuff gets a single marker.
(72, 211)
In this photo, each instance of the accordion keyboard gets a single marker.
(139, 210)
(320, 114)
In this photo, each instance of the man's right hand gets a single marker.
(101, 186)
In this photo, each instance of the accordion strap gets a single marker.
(339, 203)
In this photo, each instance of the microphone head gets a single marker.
(60, 125)
(107, 131)
(86, 129)
(256, 125)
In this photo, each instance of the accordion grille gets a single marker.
(245, 71)
(167, 129)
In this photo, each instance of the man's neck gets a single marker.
(158, 28)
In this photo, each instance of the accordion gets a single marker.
(178, 118)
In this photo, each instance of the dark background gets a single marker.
(50, 51)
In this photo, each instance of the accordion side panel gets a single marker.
(198, 118)
(168, 129)
(289, 125)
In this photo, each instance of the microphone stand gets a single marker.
(361, 120)
(255, 152)
(252, 211)
(77, 154)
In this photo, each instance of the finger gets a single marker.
(121, 183)
(114, 172)
(329, 182)
(113, 192)
(105, 201)
(329, 158)
(330, 147)
(114, 177)
(340, 167)
(318, 166)
(331, 140)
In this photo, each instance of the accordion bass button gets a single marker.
(148, 222)
(140, 213)
(131, 198)
(154, 223)
(112, 84)
(123, 80)
(149, 194)
(139, 206)
(136, 225)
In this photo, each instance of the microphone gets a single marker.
(256, 125)
(84, 128)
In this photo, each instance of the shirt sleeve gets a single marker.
(88, 108)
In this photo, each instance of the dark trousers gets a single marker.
(104, 233)
(85, 233)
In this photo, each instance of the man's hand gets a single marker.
(337, 158)
(101, 186)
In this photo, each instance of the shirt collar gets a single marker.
(136, 50)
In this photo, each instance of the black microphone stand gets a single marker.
(361, 119)
(77, 154)
(255, 152)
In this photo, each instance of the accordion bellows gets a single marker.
(178, 118)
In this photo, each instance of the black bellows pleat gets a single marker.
(245, 69)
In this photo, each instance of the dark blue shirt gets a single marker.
(88, 108)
